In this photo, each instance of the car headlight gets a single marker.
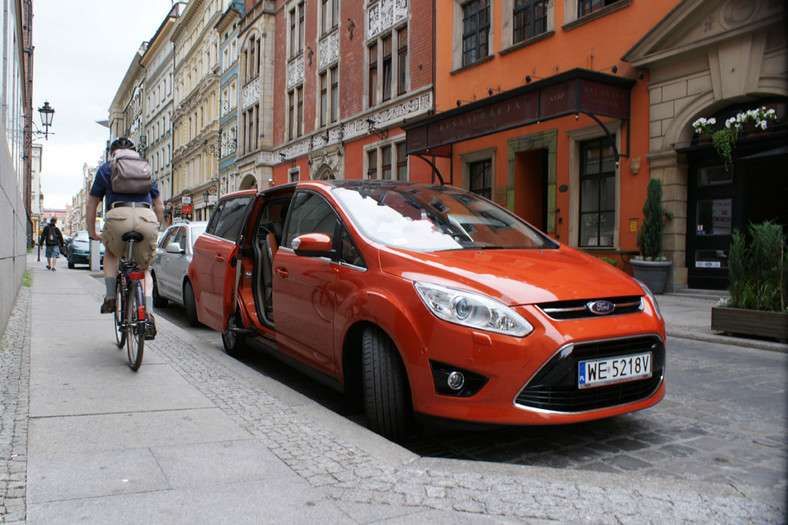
(651, 298)
(472, 310)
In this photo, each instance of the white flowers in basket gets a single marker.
(725, 139)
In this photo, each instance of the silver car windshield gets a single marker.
(435, 218)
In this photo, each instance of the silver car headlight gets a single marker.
(651, 298)
(472, 310)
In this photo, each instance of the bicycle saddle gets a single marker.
(132, 236)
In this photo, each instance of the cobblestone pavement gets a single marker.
(510, 493)
(14, 378)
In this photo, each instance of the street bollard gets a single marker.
(95, 255)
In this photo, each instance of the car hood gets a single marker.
(514, 277)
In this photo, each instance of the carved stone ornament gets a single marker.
(251, 93)
(295, 72)
(328, 51)
(384, 15)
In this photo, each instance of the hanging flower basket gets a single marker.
(724, 140)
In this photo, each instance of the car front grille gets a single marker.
(581, 309)
(554, 387)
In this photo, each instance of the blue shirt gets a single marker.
(102, 188)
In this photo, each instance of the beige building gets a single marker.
(125, 113)
(36, 197)
(157, 107)
(195, 121)
(715, 58)
(255, 98)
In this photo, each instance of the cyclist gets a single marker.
(125, 212)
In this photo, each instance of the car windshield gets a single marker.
(82, 236)
(434, 218)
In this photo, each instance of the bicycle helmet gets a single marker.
(121, 143)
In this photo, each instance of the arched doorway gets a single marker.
(249, 182)
(325, 172)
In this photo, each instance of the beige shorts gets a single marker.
(121, 220)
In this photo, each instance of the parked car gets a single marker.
(78, 249)
(171, 265)
(427, 299)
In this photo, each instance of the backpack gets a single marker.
(130, 173)
(50, 236)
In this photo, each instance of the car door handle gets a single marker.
(282, 272)
(219, 258)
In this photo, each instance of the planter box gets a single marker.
(773, 325)
(653, 274)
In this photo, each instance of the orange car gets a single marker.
(427, 299)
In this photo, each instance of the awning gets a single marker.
(571, 93)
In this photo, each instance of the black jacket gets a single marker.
(57, 239)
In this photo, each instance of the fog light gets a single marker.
(455, 380)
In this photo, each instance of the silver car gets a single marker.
(170, 269)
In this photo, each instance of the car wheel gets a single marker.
(233, 341)
(158, 300)
(386, 394)
(188, 302)
(70, 265)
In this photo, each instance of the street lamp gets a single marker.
(47, 112)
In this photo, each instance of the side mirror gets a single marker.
(174, 247)
(313, 245)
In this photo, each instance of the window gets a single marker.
(481, 178)
(309, 213)
(329, 14)
(402, 60)
(226, 222)
(597, 193)
(530, 19)
(388, 162)
(296, 30)
(388, 68)
(328, 106)
(585, 7)
(295, 113)
(373, 75)
(475, 31)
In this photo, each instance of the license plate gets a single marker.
(610, 370)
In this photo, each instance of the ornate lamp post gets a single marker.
(47, 112)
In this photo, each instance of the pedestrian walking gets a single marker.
(53, 239)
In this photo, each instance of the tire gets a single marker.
(70, 265)
(118, 314)
(234, 343)
(189, 304)
(387, 402)
(158, 300)
(135, 341)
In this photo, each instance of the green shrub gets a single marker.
(650, 235)
(608, 260)
(758, 273)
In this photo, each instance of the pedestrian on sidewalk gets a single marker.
(53, 239)
(125, 212)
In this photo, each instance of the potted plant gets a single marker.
(651, 267)
(724, 140)
(758, 284)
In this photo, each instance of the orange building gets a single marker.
(562, 110)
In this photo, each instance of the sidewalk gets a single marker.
(197, 437)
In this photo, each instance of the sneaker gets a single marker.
(54, 270)
(109, 306)
(48, 268)
(150, 327)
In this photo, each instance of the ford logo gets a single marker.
(601, 307)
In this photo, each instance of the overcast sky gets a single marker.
(83, 49)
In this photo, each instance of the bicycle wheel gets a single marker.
(135, 342)
(118, 316)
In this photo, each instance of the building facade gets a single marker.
(126, 115)
(195, 118)
(226, 143)
(157, 62)
(716, 59)
(15, 131)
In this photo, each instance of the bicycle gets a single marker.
(130, 312)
